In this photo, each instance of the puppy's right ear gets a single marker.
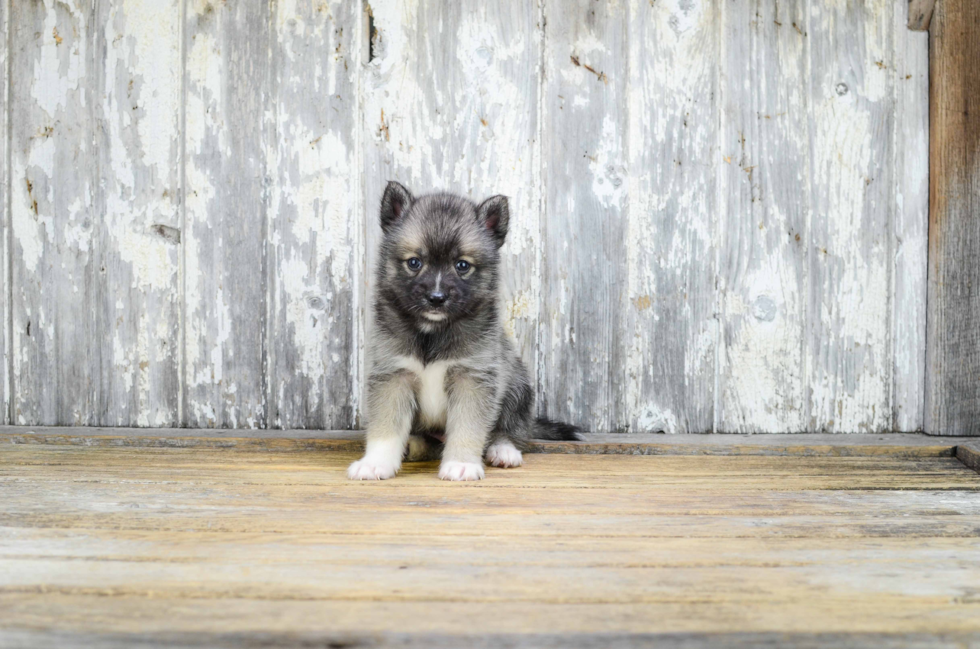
(394, 204)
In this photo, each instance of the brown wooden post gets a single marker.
(953, 329)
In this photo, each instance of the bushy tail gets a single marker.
(546, 429)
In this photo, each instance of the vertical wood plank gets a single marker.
(764, 151)
(227, 87)
(674, 158)
(141, 236)
(5, 259)
(58, 273)
(584, 221)
(95, 273)
(953, 349)
(911, 224)
(851, 124)
(450, 103)
(314, 213)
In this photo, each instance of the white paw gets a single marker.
(365, 469)
(453, 470)
(504, 455)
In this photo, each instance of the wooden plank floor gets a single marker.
(120, 546)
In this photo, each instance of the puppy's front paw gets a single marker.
(452, 470)
(505, 455)
(365, 469)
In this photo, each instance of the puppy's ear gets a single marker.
(394, 204)
(494, 214)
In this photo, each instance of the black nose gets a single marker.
(437, 298)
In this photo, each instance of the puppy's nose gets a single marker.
(437, 298)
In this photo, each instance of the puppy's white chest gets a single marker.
(431, 390)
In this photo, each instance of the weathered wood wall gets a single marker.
(719, 208)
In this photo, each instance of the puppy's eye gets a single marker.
(462, 266)
(414, 263)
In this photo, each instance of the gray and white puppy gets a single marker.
(444, 375)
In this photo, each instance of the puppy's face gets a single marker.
(440, 255)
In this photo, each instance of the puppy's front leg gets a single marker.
(391, 406)
(469, 419)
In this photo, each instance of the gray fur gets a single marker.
(440, 323)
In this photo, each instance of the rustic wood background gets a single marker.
(719, 208)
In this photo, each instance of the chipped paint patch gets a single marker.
(607, 167)
(305, 318)
(520, 307)
(652, 419)
(29, 231)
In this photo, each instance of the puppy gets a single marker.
(444, 376)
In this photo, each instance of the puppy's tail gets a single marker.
(546, 429)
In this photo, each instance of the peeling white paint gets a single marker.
(652, 419)
(322, 196)
(305, 327)
(762, 264)
(214, 298)
(28, 232)
(672, 232)
(313, 207)
(519, 307)
(852, 378)
(53, 79)
(607, 169)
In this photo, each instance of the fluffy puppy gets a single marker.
(444, 379)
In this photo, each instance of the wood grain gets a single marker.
(77, 131)
(849, 264)
(910, 225)
(226, 212)
(314, 214)
(583, 213)
(150, 544)
(142, 106)
(969, 454)
(953, 352)
(763, 231)
(59, 269)
(672, 334)
(96, 223)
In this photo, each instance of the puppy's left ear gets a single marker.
(494, 214)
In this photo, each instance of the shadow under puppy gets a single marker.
(444, 375)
